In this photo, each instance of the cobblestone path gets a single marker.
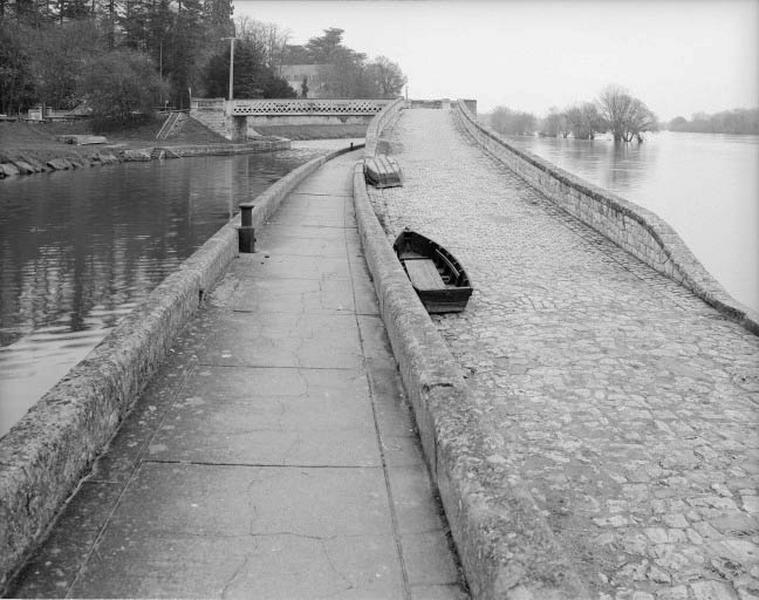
(627, 406)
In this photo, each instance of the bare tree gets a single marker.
(627, 116)
(388, 76)
(268, 37)
(554, 124)
(512, 122)
(584, 121)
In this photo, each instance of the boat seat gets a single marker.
(454, 274)
(424, 274)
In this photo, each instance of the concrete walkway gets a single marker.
(625, 405)
(274, 456)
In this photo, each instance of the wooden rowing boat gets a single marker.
(438, 278)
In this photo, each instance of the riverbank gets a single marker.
(27, 149)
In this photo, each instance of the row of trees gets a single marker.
(347, 73)
(737, 121)
(127, 56)
(615, 110)
(263, 50)
(57, 52)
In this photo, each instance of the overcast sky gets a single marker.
(678, 56)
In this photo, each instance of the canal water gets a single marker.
(706, 186)
(79, 249)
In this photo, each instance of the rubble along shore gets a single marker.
(30, 162)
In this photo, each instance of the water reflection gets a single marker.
(706, 186)
(78, 250)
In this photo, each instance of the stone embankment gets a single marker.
(590, 422)
(25, 164)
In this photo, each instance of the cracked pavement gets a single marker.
(274, 455)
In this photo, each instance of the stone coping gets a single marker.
(45, 455)
(678, 262)
(378, 123)
(505, 545)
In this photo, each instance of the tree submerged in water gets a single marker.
(627, 117)
(616, 110)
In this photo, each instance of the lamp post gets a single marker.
(231, 64)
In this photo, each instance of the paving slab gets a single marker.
(270, 416)
(274, 455)
(263, 265)
(278, 566)
(291, 295)
(313, 340)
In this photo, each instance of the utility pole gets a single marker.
(231, 64)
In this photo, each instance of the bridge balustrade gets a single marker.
(307, 106)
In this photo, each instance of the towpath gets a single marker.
(627, 406)
(274, 455)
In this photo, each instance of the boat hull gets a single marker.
(452, 292)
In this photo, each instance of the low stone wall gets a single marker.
(269, 144)
(378, 123)
(44, 456)
(504, 543)
(639, 231)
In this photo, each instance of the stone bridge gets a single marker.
(237, 119)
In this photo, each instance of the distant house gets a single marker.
(316, 77)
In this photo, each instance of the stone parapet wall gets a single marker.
(378, 123)
(45, 455)
(455, 439)
(639, 231)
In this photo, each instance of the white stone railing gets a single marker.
(308, 106)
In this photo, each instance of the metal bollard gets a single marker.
(246, 232)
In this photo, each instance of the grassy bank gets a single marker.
(36, 144)
(39, 140)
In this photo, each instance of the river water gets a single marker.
(79, 249)
(706, 186)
